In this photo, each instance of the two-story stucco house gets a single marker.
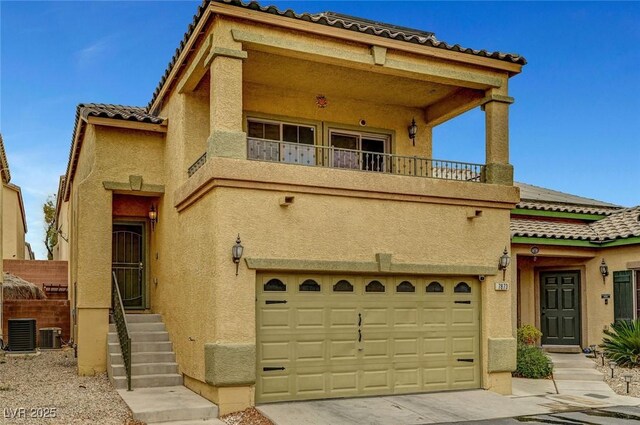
(13, 221)
(367, 267)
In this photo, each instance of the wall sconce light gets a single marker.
(604, 271)
(535, 251)
(236, 253)
(153, 216)
(504, 261)
(413, 130)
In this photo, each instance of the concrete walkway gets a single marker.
(577, 385)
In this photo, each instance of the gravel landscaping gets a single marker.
(247, 417)
(618, 383)
(45, 389)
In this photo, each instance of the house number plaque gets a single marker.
(502, 286)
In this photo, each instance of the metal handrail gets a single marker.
(350, 159)
(120, 318)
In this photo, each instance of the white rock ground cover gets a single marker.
(48, 385)
(617, 383)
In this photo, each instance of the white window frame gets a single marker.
(305, 156)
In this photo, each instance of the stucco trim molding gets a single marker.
(502, 355)
(382, 265)
(633, 265)
(135, 184)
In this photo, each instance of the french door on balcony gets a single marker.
(359, 151)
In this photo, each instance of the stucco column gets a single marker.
(227, 138)
(93, 262)
(498, 169)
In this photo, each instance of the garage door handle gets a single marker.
(269, 369)
(466, 360)
(463, 302)
(275, 302)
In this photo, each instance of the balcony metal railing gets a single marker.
(196, 165)
(332, 157)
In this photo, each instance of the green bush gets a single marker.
(528, 335)
(622, 343)
(532, 363)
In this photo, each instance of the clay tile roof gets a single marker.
(338, 20)
(540, 198)
(121, 112)
(551, 229)
(4, 164)
(621, 224)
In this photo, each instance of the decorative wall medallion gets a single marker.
(321, 101)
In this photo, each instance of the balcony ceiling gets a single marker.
(337, 81)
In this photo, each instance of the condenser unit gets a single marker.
(22, 334)
(50, 338)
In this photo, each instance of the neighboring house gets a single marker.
(560, 246)
(368, 268)
(14, 223)
(61, 249)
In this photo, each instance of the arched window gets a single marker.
(405, 286)
(275, 285)
(343, 286)
(435, 287)
(374, 286)
(462, 288)
(309, 285)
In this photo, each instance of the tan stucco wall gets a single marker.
(595, 315)
(61, 250)
(337, 214)
(13, 235)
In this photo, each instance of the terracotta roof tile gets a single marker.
(540, 198)
(338, 20)
(121, 112)
(622, 224)
(551, 229)
(5, 173)
(581, 209)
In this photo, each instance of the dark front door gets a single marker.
(128, 263)
(560, 307)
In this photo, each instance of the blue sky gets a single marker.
(575, 126)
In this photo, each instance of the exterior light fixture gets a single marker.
(153, 216)
(236, 253)
(504, 261)
(602, 356)
(612, 366)
(413, 130)
(604, 271)
(594, 350)
(534, 251)
(627, 378)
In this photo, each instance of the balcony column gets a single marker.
(496, 108)
(226, 138)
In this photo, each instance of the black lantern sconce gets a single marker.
(153, 216)
(236, 253)
(503, 263)
(604, 271)
(413, 130)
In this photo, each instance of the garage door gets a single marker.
(343, 336)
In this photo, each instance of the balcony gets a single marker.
(357, 160)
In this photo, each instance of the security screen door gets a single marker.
(128, 263)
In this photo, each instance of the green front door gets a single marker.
(560, 307)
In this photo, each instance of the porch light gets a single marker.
(612, 366)
(504, 261)
(236, 253)
(627, 378)
(604, 271)
(153, 216)
(413, 130)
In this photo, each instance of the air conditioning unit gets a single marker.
(50, 338)
(22, 335)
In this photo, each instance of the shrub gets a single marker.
(622, 343)
(528, 335)
(532, 363)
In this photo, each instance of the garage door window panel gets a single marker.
(275, 285)
(435, 287)
(405, 287)
(375, 286)
(309, 285)
(343, 286)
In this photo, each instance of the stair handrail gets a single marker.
(122, 327)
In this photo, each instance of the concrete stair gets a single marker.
(153, 362)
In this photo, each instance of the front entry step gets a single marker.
(568, 349)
